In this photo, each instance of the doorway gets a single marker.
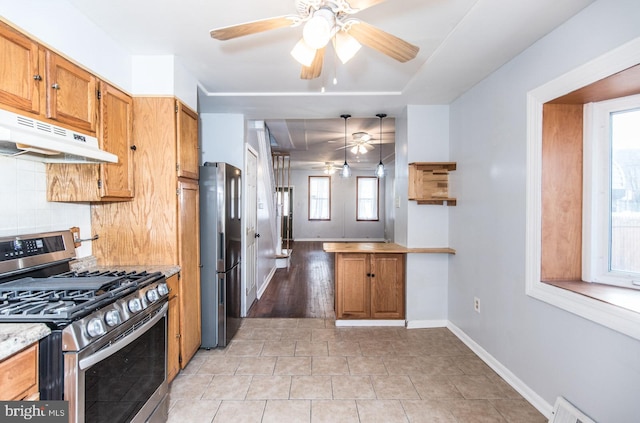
(285, 198)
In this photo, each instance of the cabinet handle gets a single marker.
(373, 275)
(133, 147)
(368, 275)
(37, 77)
(55, 86)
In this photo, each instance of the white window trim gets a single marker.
(596, 193)
(616, 318)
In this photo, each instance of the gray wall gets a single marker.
(343, 224)
(552, 351)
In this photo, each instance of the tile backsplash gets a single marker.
(24, 207)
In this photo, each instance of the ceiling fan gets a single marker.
(360, 143)
(325, 21)
(329, 168)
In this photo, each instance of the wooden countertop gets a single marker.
(379, 247)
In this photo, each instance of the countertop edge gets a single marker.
(15, 337)
(90, 264)
(380, 248)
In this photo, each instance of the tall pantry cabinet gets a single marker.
(160, 224)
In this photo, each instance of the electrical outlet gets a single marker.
(476, 304)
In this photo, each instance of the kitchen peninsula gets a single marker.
(370, 279)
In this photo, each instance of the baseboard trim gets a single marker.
(425, 324)
(267, 282)
(360, 323)
(529, 394)
(341, 240)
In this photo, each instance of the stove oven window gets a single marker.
(118, 387)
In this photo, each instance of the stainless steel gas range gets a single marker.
(106, 353)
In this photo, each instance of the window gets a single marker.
(611, 248)
(554, 218)
(319, 198)
(367, 198)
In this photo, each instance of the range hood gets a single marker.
(23, 137)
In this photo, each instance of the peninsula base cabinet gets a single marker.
(370, 286)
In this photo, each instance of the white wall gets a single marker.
(343, 225)
(423, 137)
(222, 138)
(552, 351)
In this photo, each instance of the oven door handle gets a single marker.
(118, 345)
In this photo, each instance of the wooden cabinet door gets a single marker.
(173, 329)
(71, 93)
(352, 286)
(19, 71)
(387, 286)
(116, 136)
(187, 134)
(189, 259)
(19, 375)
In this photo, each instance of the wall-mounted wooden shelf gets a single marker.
(429, 182)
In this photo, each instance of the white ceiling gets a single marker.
(461, 42)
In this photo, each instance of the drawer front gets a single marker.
(19, 374)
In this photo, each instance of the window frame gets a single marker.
(377, 199)
(596, 249)
(328, 218)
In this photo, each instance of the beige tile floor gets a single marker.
(307, 370)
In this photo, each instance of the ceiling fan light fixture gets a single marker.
(303, 53)
(345, 46)
(319, 29)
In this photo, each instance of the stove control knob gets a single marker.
(112, 317)
(152, 295)
(95, 327)
(163, 289)
(135, 305)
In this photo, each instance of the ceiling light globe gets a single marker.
(303, 53)
(380, 170)
(319, 29)
(346, 170)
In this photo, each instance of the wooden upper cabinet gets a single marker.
(116, 136)
(187, 137)
(71, 93)
(105, 181)
(20, 77)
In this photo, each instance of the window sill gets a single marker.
(626, 298)
(613, 307)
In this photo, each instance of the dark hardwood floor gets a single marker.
(305, 289)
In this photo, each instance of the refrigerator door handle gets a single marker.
(221, 246)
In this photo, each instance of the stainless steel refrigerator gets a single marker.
(220, 250)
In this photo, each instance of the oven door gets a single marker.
(123, 379)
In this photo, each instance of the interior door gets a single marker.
(251, 224)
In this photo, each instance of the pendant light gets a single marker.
(346, 170)
(380, 167)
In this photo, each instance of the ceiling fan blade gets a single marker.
(385, 43)
(249, 28)
(314, 71)
(363, 4)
